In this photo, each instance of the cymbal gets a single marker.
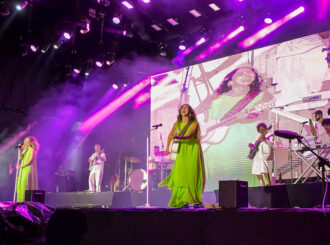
(161, 153)
(131, 159)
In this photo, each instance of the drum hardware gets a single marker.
(127, 172)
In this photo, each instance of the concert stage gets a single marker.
(279, 196)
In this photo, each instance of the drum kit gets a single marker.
(136, 179)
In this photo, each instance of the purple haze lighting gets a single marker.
(218, 44)
(113, 106)
(251, 40)
(98, 63)
(67, 35)
(268, 20)
(127, 4)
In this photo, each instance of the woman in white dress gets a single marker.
(260, 164)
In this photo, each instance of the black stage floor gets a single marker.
(188, 226)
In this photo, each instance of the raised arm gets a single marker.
(170, 137)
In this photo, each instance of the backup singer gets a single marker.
(317, 129)
(325, 138)
(28, 177)
(187, 179)
(96, 162)
(260, 164)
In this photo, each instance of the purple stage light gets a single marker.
(20, 7)
(116, 20)
(214, 7)
(201, 41)
(172, 21)
(113, 106)
(218, 44)
(67, 35)
(98, 63)
(251, 40)
(33, 48)
(268, 20)
(195, 13)
(127, 4)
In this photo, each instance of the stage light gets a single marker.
(201, 41)
(268, 20)
(146, 1)
(251, 40)
(34, 48)
(127, 4)
(86, 73)
(67, 35)
(22, 6)
(220, 43)
(45, 48)
(214, 7)
(116, 20)
(156, 27)
(115, 86)
(76, 70)
(125, 85)
(172, 21)
(182, 45)
(195, 13)
(99, 63)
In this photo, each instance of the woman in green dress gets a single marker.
(187, 179)
(27, 178)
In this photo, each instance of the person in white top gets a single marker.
(325, 137)
(317, 130)
(96, 162)
(260, 164)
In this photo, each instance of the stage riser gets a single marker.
(282, 196)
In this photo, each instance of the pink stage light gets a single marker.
(113, 106)
(141, 99)
(99, 63)
(127, 4)
(33, 48)
(248, 42)
(23, 6)
(268, 20)
(218, 44)
(67, 35)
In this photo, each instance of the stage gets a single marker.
(306, 195)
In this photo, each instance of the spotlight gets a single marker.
(99, 63)
(125, 85)
(201, 41)
(34, 48)
(182, 45)
(76, 70)
(22, 6)
(58, 44)
(110, 58)
(268, 20)
(45, 48)
(88, 67)
(86, 73)
(116, 19)
(115, 86)
(67, 35)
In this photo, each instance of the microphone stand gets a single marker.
(147, 205)
(16, 177)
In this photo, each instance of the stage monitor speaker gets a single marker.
(35, 196)
(233, 194)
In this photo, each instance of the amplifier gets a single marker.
(35, 196)
(233, 194)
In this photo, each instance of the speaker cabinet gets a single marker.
(35, 196)
(233, 194)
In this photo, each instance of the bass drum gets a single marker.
(137, 180)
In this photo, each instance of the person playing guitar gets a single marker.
(263, 146)
(96, 166)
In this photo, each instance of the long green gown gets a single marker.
(27, 178)
(187, 178)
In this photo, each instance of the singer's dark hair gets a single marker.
(254, 86)
(191, 114)
(326, 121)
(261, 125)
(319, 112)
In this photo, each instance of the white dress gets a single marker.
(259, 164)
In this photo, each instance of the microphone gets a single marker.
(19, 146)
(157, 125)
(290, 135)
